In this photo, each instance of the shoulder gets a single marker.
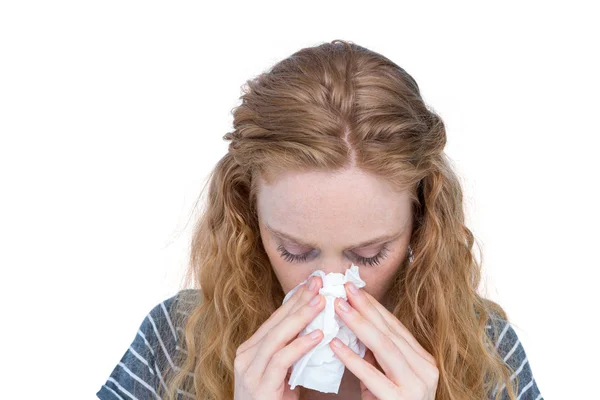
(154, 348)
(161, 325)
(509, 347)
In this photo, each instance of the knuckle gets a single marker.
(434, 375)
(386, 329)
(317, 306)
(239, 365)
(307, 295)
(299, 293)
(240, 349)
(275, 336)
(432, 360)
(307, 312)
(388, 344)
(238, 369)
(248, 386)
(250, 381)
(420, 388)
(278, 360)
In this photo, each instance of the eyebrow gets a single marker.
(356, 246)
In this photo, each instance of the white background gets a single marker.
(112, 114)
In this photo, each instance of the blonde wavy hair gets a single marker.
(326, 108)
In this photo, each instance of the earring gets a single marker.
(410, 254)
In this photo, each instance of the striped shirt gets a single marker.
(138, 374)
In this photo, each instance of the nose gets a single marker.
(339, 266)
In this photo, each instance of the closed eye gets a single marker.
(292, 258)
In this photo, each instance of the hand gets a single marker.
(395, 365)
(262, 362)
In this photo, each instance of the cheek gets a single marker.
(289, 276)
(270, 248)
(379, 279)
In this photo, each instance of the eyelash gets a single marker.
(289, 257)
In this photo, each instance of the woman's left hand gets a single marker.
(395, 365)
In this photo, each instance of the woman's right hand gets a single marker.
(262, 362)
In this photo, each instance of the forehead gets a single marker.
(328, 202)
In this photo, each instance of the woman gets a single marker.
(335, 159)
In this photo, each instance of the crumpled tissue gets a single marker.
(320, 369)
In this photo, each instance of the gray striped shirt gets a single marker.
(138, 374)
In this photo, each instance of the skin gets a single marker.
(332, 212)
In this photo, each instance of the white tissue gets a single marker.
(320, 369)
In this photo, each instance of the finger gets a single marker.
(277, 369)
(392, 360)
(273, 320)
(400, 329)
(370, 377)
(366, 394)
(366, 305)
(283, 333)
(298, 299)
(421, 366)
(308, 294)
(305, 297)
(363, 305)
(370, 358)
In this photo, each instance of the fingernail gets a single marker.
(337, 343)
(343, 305)
(311, 284)
(315, 334)
(353, 289)
(315, 300)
